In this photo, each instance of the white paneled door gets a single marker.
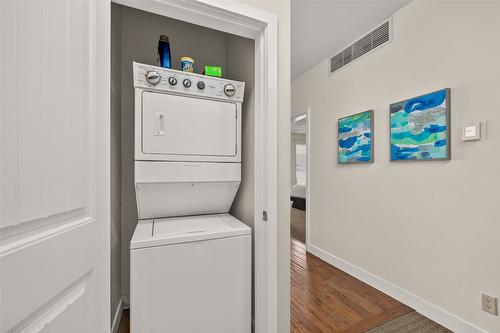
(54, 166)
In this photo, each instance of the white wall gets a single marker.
(430, 228)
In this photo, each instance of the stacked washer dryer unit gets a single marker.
(190, 260)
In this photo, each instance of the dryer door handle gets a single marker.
(160, 123)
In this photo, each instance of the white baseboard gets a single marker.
(118, 316)
(427, 309)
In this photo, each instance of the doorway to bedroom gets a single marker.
(299, 179)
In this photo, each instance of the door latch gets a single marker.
(160, 124)
(264, 215)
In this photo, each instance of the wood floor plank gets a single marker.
(125, 322)
(324, 299)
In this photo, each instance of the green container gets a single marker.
(213, 71)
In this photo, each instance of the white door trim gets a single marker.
(115, 324)
(307, 116)
(102, 108)
(308, 178)
(246, 21)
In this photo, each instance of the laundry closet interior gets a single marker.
(134, 39)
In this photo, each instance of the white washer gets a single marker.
(191, 274)
(190, 261)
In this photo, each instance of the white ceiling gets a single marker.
(320, 28)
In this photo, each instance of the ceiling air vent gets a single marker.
(376, 38)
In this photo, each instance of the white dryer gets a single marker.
(190, 260)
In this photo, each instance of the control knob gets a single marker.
(229, 90)
(201, 85)
(172, 81)
(153, 77)
(186, 83)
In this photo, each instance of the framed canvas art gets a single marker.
(355, 138)
(420, 128)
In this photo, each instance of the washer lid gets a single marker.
(176, 230)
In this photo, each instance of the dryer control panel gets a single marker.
(165, 79)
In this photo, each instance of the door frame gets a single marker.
(308, 178)
(249, 22)
(307, 115)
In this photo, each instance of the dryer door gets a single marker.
(186, 126)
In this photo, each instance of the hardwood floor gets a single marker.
(326, 300)
(125, 322)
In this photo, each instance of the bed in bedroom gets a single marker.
(298, 197)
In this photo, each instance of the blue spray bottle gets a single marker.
(164, 58)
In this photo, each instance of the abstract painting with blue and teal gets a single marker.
(420, 127)
(355, 138)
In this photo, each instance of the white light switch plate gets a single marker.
(471, 131)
